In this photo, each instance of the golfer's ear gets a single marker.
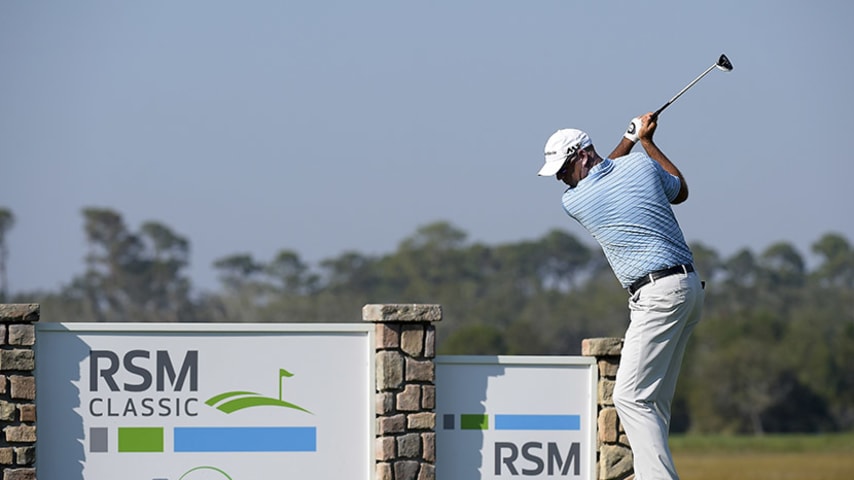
(587, 157)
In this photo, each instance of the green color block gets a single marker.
(140, 439)
(474, 422)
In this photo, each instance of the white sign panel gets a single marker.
(204, 402)
(515, 417)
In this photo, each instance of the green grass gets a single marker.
(769, 457)
(827, 443)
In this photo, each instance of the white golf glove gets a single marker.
(634, 127)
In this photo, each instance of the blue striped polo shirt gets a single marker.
(625, 205)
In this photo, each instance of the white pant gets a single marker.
(663, 315)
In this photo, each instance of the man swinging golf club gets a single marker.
(624, 202)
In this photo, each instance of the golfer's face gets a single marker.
(565, 173)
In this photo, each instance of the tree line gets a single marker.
(772, 354)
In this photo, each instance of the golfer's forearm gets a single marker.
(656, 154)
(622, 149)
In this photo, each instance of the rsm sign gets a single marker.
(516, 417)
(152, 372)
(204, 401)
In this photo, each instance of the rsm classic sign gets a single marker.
(515, 417)
(204, 402)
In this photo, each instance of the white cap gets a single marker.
(562, 145)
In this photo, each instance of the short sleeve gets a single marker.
(669, 182)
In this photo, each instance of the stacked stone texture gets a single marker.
(614, 455)
(405, 390)
(18, 391)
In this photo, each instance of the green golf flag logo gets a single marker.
(229, 402)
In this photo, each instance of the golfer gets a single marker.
(624, 202)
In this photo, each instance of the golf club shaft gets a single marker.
(655, 114)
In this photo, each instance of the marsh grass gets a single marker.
(769, 457)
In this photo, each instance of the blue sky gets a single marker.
(322, 127)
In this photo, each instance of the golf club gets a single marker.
(723, 63)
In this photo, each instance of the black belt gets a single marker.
(652, 276)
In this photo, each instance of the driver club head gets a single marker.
(724, 63)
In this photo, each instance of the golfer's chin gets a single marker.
(566, 180)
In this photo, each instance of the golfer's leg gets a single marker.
(657, 322)
(694, 309)
(634, 395)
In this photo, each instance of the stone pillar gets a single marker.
(405, 390)
(614, 455)
(18, 391)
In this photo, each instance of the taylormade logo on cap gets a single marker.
(562, 145)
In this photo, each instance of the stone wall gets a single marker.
(18, 391)
(405, 390)
(614, 455)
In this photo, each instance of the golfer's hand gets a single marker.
(648, 126)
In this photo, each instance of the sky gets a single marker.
(331, 126)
